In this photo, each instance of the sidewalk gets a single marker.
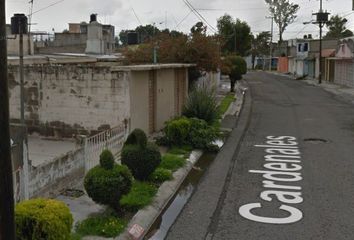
(343, 91)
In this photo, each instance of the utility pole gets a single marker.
(235, 40)
(7, 226)
(321, 20)
(155, 47)
(271, 43)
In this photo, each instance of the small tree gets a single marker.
(235, 67)
(108, 182)
(337, 28)
(284, 13)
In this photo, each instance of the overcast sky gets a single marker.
(170, 14)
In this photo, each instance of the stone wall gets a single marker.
(65, 100)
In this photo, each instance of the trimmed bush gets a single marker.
(107, 186)
(236, 67)
(177, 131)
(140, 196)
(161, 175)
(141, 161)
(202, 104)
(107, 159)
(137, 137)
(43, 219)
(199, 134)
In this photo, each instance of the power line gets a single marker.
(190, 6)
(51, 5)
(136, 16)
(189, 13)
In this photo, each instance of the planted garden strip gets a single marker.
(147, 216)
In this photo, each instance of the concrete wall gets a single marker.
(13, 45)
(156, 96)
(165, 100)
(211, 79)
(68, 39)
(62, 100)
(139, 95)
(48, 178)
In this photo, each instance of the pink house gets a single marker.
(344, 62)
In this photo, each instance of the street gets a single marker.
(291, 177)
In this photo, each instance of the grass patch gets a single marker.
(102, 225)
(172, 162)
(184, 150)
(225, 103)
(140, 195)
(161, 175)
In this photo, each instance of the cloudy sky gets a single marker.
(173, 14)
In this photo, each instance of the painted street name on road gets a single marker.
(282, 162)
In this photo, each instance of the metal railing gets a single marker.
(112, 139)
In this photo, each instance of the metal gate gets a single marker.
(112, 139)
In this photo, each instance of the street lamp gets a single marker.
(155, 43)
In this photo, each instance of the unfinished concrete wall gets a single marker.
(68, 39)
(49, 178)
(63, 100)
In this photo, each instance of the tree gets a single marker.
(284, 13)
(235, 67)
(199, 28)
(337, 28)
(200, 49)
(260, 45)
(235, 35)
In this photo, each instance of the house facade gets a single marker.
(344, 63)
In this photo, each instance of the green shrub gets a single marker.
(137, 137)
(161, 175)
(172, 162)
(106, 159)
(140, 196)
(141, 161)
(202, 104)
(43, 219)
(105, 226)
(177, 131)
(107, 186)
(201, 134)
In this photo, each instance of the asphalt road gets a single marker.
(296, 186)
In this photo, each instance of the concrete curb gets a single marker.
(235, 106)
(144, 218)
